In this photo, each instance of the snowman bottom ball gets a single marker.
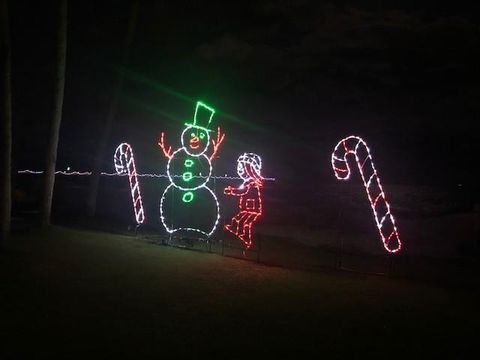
(189, 212)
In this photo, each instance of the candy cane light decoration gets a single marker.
(381, 209)
(125, 164)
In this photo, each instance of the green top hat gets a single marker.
(203, 116)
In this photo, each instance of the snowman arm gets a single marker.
(161, 143)
(216, 143)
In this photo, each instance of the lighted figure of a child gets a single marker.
(249, 166)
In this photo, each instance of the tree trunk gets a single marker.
(112, 112)
(6, 108)
(57, 113)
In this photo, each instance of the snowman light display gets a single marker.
(188, 204)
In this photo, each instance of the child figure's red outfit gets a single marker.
(250, 207)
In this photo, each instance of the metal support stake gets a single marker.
(390, 265)
(259, 240)
(339, 243)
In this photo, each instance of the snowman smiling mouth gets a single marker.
(194, 143)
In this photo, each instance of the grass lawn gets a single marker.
(69, 293)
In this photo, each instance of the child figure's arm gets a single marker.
(242, 190)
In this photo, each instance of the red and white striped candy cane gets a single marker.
(381, 209)
(125, 164)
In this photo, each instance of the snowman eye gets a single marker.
(193, 134)
(202, 135)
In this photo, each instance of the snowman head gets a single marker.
(249, 166)
(195, 140)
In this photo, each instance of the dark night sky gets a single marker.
(289, 79)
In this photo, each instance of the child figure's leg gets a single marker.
(246, 229)
(234, 226)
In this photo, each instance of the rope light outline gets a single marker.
(172, 230)
(200, 132)
(341, 168)
(125, 164)
(249, 167)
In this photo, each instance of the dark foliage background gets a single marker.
(288, 78)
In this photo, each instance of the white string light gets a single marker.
(88, 173)
(385, 221)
